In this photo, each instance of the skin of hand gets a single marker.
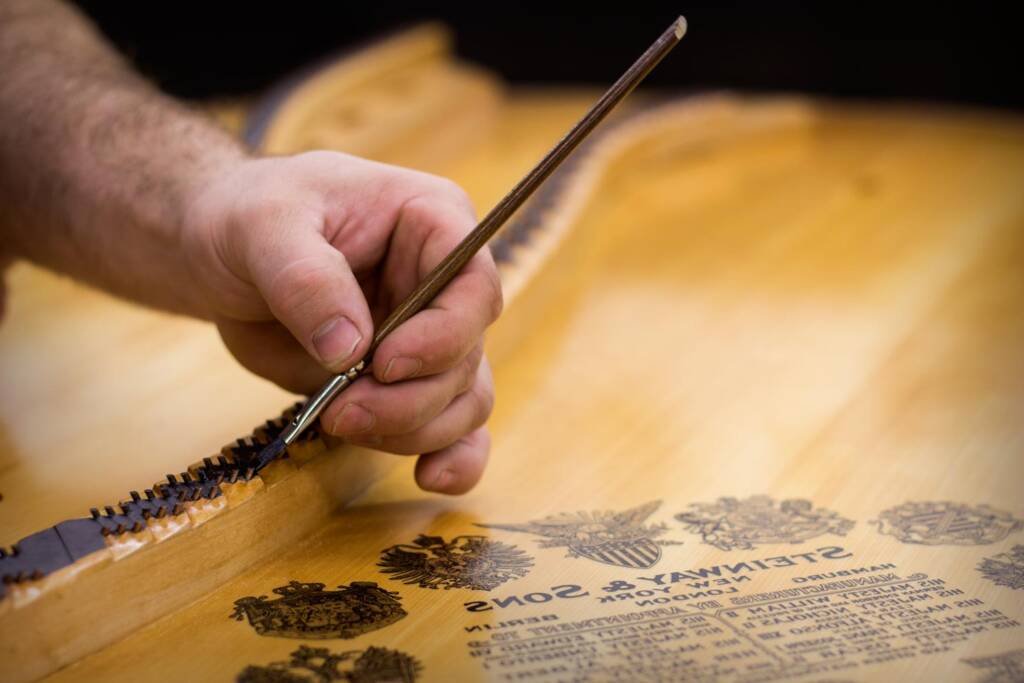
(107, 180)
(298, 257)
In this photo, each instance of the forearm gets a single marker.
(97, 168)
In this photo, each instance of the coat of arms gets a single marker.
(306, 610)
(473, 562)
(733, 523)
(1005, 569)
(1007, 667)
(940, 523)
(616, 538)
(320, 665)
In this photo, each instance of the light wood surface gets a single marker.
(782, 298)
(101, 397)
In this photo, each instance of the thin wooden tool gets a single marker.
(445, 271)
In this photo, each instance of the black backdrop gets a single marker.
(957, 52)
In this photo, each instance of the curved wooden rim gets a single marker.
(269, 106)
(526, 245)
(522, 247)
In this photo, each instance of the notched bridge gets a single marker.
(49, 550)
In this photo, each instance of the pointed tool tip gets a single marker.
(680, 27)
(271, 452)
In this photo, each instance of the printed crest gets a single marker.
(306, 610)
(1005, 569)
(320, 665)
(1007, 667)
(733, 523)
(616, 538)
(945, 523)
(473, 562)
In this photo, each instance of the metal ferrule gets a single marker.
(318, 401)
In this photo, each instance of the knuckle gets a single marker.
(469, 368)
(484, 403)
(419, 209)
(497, 297)
(452, 189)
(446, 346)
(486, 288)
(317, 157)
(435, 188)
(418, 410)
(499, 302)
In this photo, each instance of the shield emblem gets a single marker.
(620, 539)
(636, 553)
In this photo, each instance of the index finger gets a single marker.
(438, 337)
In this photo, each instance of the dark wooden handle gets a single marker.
(445, 271)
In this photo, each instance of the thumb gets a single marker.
(309, 287)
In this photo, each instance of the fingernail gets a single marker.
(353, 419)
(336, 340)
(442, 480)
(401, 367)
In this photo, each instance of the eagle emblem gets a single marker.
(945, 523)
(733, 523)
(472, 562)
(620, 539)
(1005, 569)
(306, 610)
(320, 665)
(1007, 667)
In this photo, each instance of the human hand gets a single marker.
(299, 257)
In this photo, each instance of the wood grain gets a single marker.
(76, 435)
(788, 299)
(771, 326)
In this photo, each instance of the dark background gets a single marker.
(955, 52)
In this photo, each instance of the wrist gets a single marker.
(208, 201)
(210, 162)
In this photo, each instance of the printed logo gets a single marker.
(616, 538)
(733, 523)
(1007, 667)
(319, 665)
(942, 523)
(472, 562)
(1005, 569)
(306, 610)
